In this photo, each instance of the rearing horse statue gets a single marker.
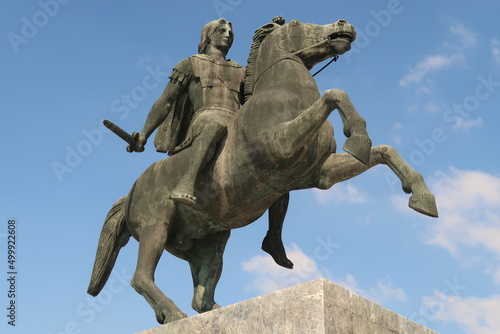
(279, 141)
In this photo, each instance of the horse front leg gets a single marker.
(421, 200)
(152, 241)
(288, 137)
(358, 143)
(339, 167)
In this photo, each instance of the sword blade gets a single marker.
(119, 132)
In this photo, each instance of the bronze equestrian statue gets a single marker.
(280, 140)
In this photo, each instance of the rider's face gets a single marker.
(222, 38)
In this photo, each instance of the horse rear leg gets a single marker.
(421, 200)
(205, 260)
(339, 167)
(152, 241)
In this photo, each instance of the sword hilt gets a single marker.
(132, 147)
(132, 140)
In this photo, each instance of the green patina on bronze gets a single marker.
(236, 164)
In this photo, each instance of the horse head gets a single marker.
(307, 43)
(313, 43)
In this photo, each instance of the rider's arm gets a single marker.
(161, 108)
(179, 80)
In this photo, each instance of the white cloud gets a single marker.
(469, 207)
(475, 315)
(496, 276)
(413, 108)
(398, 140)
(341, 193)
(422, 90)
(468, 38)
(400, 202)
(146, 60)
(466, 124)
(270, 277)
(432, 107)
(495, 50)
(429, 64)
(382, 293)
(397, 126)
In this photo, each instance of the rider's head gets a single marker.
(218, 33)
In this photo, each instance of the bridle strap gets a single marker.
(315, 45)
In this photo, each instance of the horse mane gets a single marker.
(258, 37)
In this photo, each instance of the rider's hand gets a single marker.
(140, 141)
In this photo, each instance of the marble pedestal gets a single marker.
(315, 307)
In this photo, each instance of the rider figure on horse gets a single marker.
(203, 95)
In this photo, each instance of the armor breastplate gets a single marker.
(220, 82)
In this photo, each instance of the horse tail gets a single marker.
(114, 236)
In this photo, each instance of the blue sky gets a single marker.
(424, 74)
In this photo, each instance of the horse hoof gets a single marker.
(359, 147)
(167, 312)
(424, 204)
(174, 317)
(187, 199)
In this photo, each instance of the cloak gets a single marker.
(174, 129)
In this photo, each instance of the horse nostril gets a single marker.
(341, 21)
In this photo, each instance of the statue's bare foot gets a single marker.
(187, 199)
(277, 251)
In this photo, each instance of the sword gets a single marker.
(131, 139)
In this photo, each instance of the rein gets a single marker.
(334, 59)
(331, 61)
(293, 56)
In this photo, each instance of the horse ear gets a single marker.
(279, 20)
(269, 27)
